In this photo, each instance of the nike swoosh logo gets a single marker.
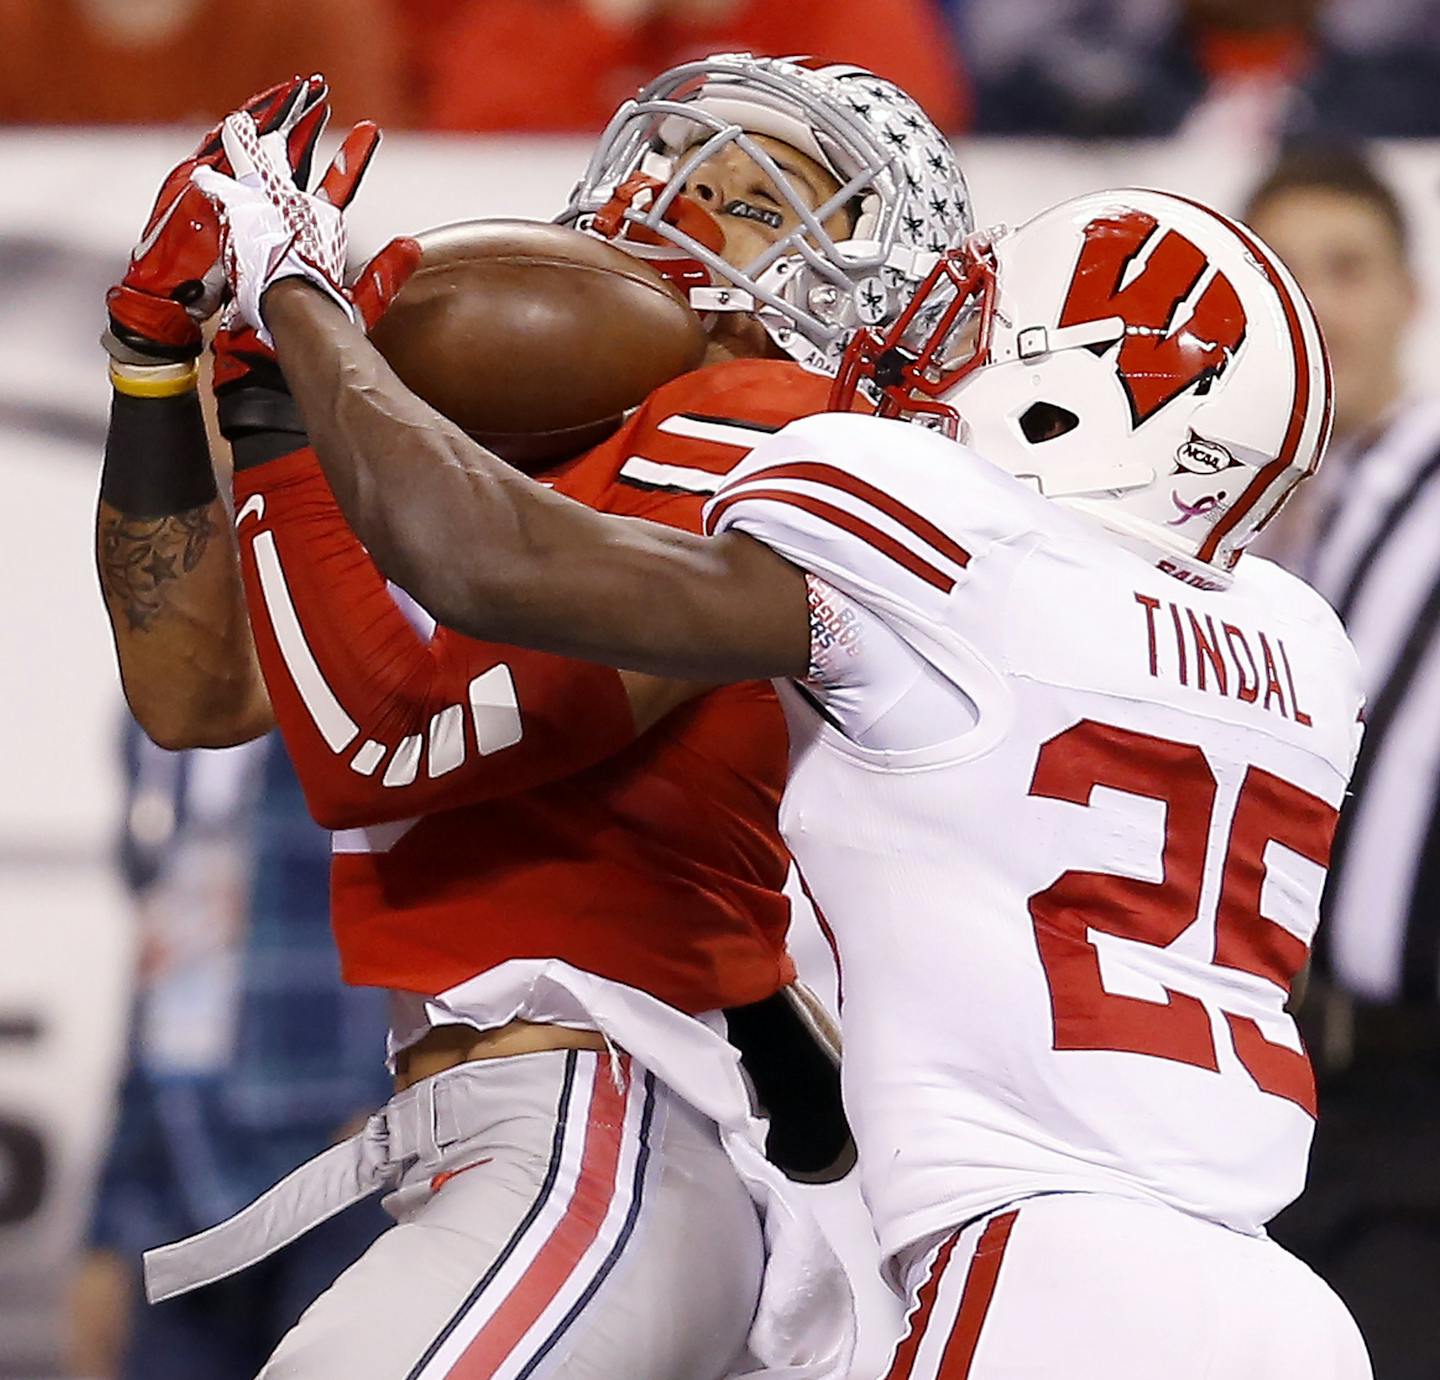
(149, 242)
(254, 504)
(440, 1180)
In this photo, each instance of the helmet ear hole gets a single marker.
(1044, 421)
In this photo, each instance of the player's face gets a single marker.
(748, 206)
(1345, 256)
(753, 214)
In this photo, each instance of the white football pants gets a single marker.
(1083, 1286)
(588, 1225)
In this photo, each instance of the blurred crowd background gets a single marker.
(173, 1035)
(1084, 68)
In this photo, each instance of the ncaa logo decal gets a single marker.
(1158, 359)
(1199, 456)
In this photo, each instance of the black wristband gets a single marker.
(261, 423)
(157, 457)
(244, 411)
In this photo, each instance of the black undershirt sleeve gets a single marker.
(157, 457)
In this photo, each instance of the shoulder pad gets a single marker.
(755, 391)
(691, 432)
(875, 507)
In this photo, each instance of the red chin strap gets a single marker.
(911, 382)
(688, 217)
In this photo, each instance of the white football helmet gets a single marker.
(896, 171)
(1131, 353)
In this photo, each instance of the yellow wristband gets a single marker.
(154, 380)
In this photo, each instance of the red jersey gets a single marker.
(493, 803)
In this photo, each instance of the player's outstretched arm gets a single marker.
(170, 575)
(497, 556)
(488, 551)
(165, 552)
(383, 722)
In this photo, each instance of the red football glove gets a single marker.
(174, 282)
(380, 281)
(244, 361)
(271, 227)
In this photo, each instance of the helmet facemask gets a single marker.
(942, 336)
(894, 171)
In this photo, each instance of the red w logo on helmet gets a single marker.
(1158, 359)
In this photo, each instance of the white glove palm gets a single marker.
(273, 229)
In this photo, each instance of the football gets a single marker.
(535, 338)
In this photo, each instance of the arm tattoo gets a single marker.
(140, 557)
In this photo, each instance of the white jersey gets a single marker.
(1067, 816)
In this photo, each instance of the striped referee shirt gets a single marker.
(1376, 556)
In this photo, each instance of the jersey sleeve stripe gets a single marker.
(643, 473)
(907, 517)
(813, 471)
(846, 521)
(335, 726)
(720, 431)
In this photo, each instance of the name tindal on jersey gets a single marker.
(1220, 658)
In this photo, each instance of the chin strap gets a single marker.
(638, 193)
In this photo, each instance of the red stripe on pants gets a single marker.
(567, 1243)
(959, 1352)
(925, 1305)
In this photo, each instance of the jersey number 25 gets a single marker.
(1269, 809)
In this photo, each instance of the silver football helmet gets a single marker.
(896, 172)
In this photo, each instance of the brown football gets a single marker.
(535, 338)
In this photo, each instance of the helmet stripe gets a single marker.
(1295, 429)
